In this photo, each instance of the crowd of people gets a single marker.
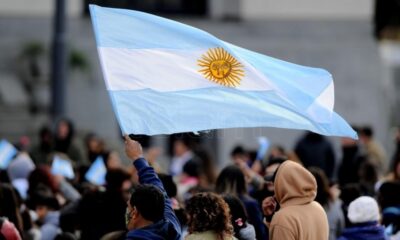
(282, 195)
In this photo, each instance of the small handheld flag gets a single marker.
(263, 144)
(7, 152)
(62, 167)
(97, 172)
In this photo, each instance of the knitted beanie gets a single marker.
(363, 209)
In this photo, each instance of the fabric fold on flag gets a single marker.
(166, 77)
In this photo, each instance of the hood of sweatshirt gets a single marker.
(294, 185)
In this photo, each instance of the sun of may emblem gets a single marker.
(219, 66)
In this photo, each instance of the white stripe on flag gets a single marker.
(165, 70)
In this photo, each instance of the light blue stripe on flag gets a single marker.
(62, 167)
(133, 29)
(196, 110)
(97, 172)
(7, 152)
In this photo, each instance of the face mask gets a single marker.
(128, 216)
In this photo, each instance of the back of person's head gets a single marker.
(238, 151)
(42, 196)
(238, 216)
(323, 191)
(388, 194)
(231, 180)
(45, 135)
(363, 209)
(169, 184)
(367, 131)
(349, 193)
(192, 168)
(115, 178)
(368, 172)
(276, 160)
(209, 212)
(42, 176)
(207, 165)
(396, 167)
(149, 201)
(314, 137)
(4, 178)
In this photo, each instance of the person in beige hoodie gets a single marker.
(299, 216)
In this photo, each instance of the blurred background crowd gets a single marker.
(45, 205)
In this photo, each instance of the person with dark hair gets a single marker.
(299, 216)
(314, 150)
(40, 153)
(208, 218)
(231, 180)
(64, 141)
(265, 187)
(331, 205)
(101, 212)
(47, 209)
(239, 155)
(149, 214)
(94, 147)
(373, 150)
(351, 161)
(394, 174)
(368, 174)
(349, 193)
(172, 191)
(396, 154)
(9, 206)
(42, 176)
(242, 228)
(207, 176)
(4, 178)
(389, 202)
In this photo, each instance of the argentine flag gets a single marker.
(62, 167)
(165, 77)
(97, 172)
(7, 152)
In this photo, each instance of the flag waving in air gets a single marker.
(165, 77)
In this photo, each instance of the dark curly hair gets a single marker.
(208, 211)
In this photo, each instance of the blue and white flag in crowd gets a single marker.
(62, 167)
(97, 172)
(165, 77)
(7, 152)
(263, 146)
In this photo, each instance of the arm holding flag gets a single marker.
(147, 175)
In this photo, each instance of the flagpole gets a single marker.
(58, 69)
